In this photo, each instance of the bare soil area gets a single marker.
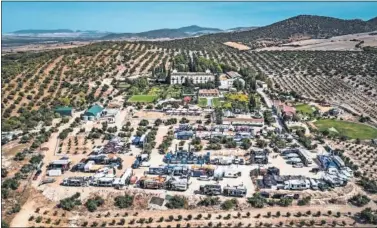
(238, 46)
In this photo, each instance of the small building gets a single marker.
(110, 114)
(63, 164)
(244, 120)
(64, 111)
(227, 80)
(208, 93)
(93, 113)
(261, 84)
(283, 110)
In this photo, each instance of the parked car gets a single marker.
(145, 164)
(314, 170)
(298, 165)
(204, 178)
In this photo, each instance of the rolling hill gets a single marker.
(299, 27)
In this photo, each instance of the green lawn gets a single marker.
(202, 102)
(142, 98)
(304, 108)
(216, 102)
(349, 129)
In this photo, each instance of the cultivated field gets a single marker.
(349, 129)
(142, 98)
(337, 43)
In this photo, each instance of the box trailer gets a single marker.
(54, 172)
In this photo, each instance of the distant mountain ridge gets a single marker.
(34, 31)
(166, 33)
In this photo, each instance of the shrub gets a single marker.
(70, 202)
(39, 219)
(176, 202)
(209, 201)
(124, 201)
(229, 204)
(285, 202)
(93, 203)
(304, 201)
(257, 201)
(369, 216)
(359, 200)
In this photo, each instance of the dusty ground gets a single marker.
(238, 46)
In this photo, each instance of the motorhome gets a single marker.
(177, 184)
(313, 184)
(152, 182)
(236, 191)
(106, 181)
(297, 184)
(88, 166)
(124, 179)
(76, 181)
(348, 170)
(210, 189)
(339, 162)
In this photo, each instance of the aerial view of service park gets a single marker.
(227, 114)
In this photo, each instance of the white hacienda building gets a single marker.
(196, 77)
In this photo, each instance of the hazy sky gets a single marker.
(142, 16)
